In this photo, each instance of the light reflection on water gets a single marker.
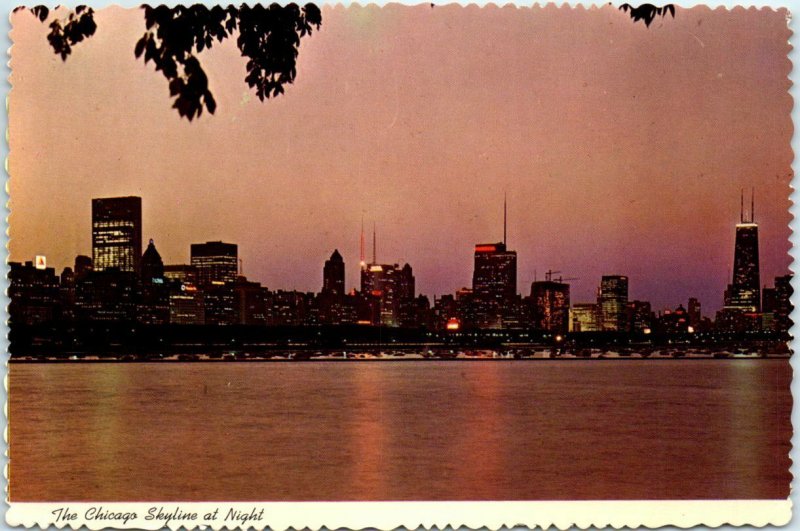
(400, 431)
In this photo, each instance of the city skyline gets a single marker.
(603, 177)
(223, 262)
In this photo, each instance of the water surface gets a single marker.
(428, 430)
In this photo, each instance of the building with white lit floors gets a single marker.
(117, 233)
(215, 261)
(613, 302)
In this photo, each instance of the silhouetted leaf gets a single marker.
(140, 44)
(40, 12)
(211, 104)
(175, 86)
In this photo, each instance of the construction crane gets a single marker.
(560, 279)
(548, 275)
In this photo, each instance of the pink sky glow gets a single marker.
(622, 148)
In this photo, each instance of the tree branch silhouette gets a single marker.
(647, 12)
(269, 37)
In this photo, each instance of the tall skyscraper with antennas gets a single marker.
(390, 285)
(743, 296)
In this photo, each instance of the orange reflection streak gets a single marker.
(369, 432)
(484, 432)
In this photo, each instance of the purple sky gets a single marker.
(622, 149)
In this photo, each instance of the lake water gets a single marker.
(427, 430)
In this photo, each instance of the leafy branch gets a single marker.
(269, 37)
(66, 33)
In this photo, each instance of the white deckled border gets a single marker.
(411, 515)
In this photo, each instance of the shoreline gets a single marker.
(391, 359)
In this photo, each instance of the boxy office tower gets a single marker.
(117, 233)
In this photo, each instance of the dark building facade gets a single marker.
(335, 306)
(186, 304)
(392, 287)
(219, 300)
(250, 302)
(117, 233)
(152, 267)
(613, 302)
(639, 317)
(550, 306)
(783, 304)
(673, 321)
(744, 293)
(776, 305)
(108, 295)
(333, 275)
(215, 261)
(494, 284)
(695, 313)
(83, 266)
(742, 303)
(154, 296)
(34, 294)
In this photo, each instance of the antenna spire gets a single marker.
(374, 245)
(362, 241)
(753, 205)
(741, 207)
(505, 216)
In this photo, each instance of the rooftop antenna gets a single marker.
(741, 208)
(374, 245)
(753, 205)
(505, 215)
(362, 241)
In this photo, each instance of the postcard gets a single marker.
(406, 265)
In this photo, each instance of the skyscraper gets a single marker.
(776, 305)
(117, 233)
(494, 281)
(695, 313)
(154, 293)
(334, 306)
(744, 291)
(783, 303)
(550, 306)
(639, 316)
(83, 266)
(333, 275)
(392, 286)
(215, 261)
(495, 273)
(613, 301)
(33, 293)
(152, 266)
